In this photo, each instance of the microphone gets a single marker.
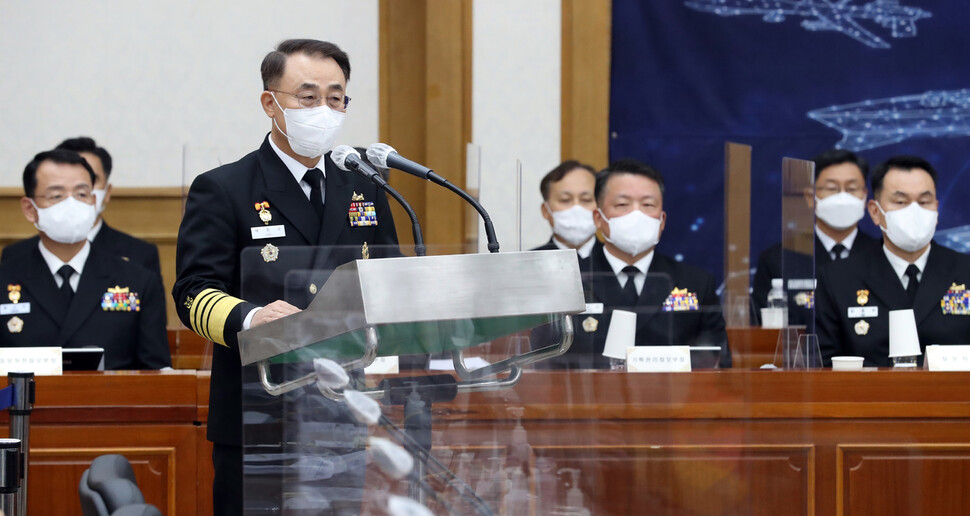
(347, 158)
(383, 155)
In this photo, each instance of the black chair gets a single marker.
(108, 488)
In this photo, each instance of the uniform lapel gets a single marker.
(39, 283)
(821, 255)
(336, 205)
(883, 282)
(606, 288)
(657, 287)
(86, 298)
(934, 283)
(285, 194)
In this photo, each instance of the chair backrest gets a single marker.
(108, 486)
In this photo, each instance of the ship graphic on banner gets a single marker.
(878, 122)
(836, 15)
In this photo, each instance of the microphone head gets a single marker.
(377, 154)
(339, 156)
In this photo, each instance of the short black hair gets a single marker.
(87, 144)
(274, 64)
(555, 175)
(838, 157)
(904, 163)
(62, 156)
(626, 166)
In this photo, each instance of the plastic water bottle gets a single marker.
(776, 313)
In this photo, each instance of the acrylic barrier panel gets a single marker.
(580, 441)
(302, 448)
(669, 311)
(798, 241)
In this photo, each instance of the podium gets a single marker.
(306, 451)
(422, 305)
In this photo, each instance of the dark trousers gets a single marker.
(227, 495)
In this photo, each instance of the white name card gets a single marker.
(383, 365)
(801, 284)
(658, 359)
(268, 231)
(594, 308)
(40, 361)
(948, 358)
(15, 308)
(858, 312)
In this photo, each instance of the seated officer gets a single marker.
(840, 203)
(65, 292)
(676, 303)
(103, 237)
(855, 295)
(568, 204)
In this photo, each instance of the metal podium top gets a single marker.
(418, 304)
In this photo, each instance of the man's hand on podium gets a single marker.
(273, 311)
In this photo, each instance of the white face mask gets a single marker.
(573, 225)
(840, 211)
(312, 131)
(910, 228)
(634, 232)
(99, 196)
(67, 222)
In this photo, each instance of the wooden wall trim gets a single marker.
(425, 106)
(586, 39)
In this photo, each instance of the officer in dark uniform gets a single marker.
(62, 291)
(567, 204)
(675, 303)
(288, 193)
(910, 271)
(839, 200)
(106, 239)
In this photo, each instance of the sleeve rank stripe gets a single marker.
(216, 320)
(199, 308)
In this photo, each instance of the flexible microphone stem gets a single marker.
(489, 229)
(419, 247)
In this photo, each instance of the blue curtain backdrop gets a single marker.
(689, 75)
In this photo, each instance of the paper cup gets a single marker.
(903, 338)
(621, 334)
(847, 363)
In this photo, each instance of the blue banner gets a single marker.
(790, 78)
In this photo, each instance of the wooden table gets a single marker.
(708, 442)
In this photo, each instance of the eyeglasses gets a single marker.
(833, 189)
(336, 101)
(82, 194)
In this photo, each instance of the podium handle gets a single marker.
(276, 389)
(517, 361)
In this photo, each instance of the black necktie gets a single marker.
(911, 273)
(630, 289)
(837, 251)
(314, 178)
(65, 272)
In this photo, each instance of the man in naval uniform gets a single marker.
(568, 204)
(287, 193)
(63, 291)
(839, 201)
(103, 237)
(675, 303)
(909, 272)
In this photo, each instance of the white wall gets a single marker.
(149, 79)
(516, 110)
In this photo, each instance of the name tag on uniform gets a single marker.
(268, 231)
(858, 312)
(801, 284)
(14, 308)
(594, 308)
